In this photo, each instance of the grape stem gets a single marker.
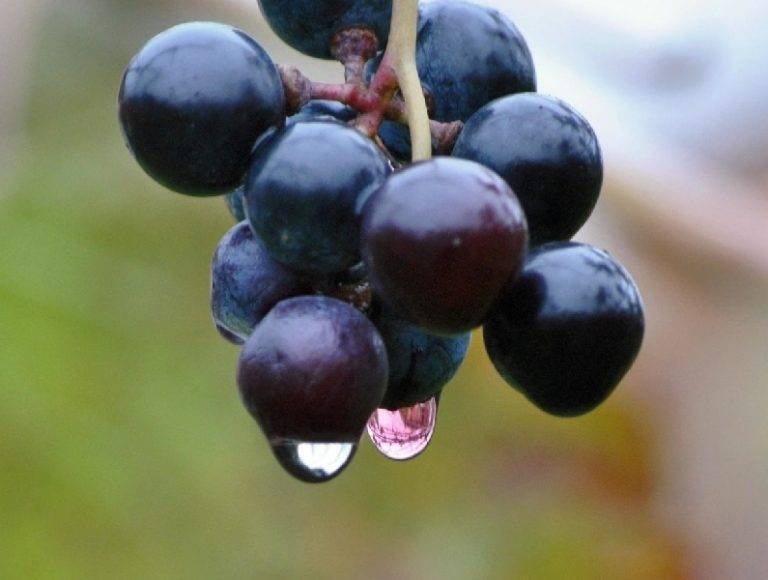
(375, 103)
(353, 47)
(401, 56)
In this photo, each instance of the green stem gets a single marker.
(401, 47)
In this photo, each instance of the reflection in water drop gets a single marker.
(310, 461)
(404, 433)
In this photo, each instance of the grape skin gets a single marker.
(304, 192)
(440, 238)
(192, 103)
(467, 55)
(548, 154)
(246, 282)
(313, 370)
(309, 25)
(568, 329)
(420, 364)
(313, 111)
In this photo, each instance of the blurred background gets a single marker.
(125, 452)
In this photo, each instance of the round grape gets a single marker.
(548, 154)
(313, 370)
(192, 103)
(420, 364)
(467, 55)
(304, 192)
(440, 238)
(568, 329)
(246, 283)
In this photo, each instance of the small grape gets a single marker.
(313, 370)
(316, 110)
(568, 329)
(548, 154)
(440, 238)
(467, 55)
(304, 192)
(246, 282)
(193, 102)
(420, 364)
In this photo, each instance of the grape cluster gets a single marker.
(354, 276)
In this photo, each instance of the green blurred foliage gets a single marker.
(125, 452)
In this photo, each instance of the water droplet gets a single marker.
(404, 433)
(310, 461)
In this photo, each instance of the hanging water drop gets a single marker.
(313, 462)
(403, 433)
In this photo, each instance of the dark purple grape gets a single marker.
(192, 103)
(317, 110)
(467, 55)
(311, 373)
(568, 329)
(304, 192)
(420, 364)
(440, 238)
(309, 25)
(547, 153)
(246, 282)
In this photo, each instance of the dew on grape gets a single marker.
(403, 433)
(310, 461)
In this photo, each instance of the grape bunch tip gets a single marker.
(358, 267)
